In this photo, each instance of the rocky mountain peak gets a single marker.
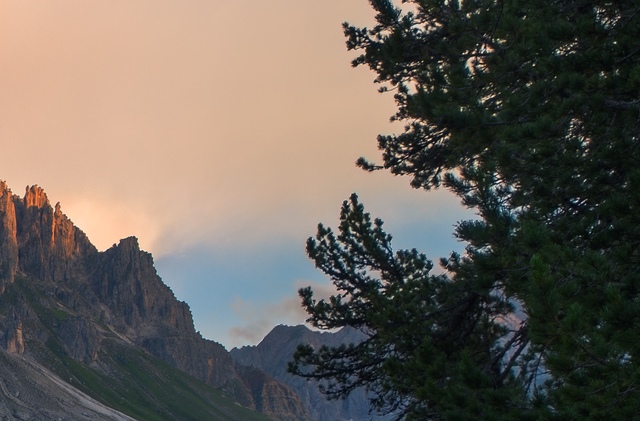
(3, 187)
(8, 239)
(35, 238)
(274, 352)
(62, 298)
(35, 196)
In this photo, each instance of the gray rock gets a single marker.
(275, 351)
(72, 300)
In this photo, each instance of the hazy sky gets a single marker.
(219, 133)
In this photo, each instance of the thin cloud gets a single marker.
(260, 317)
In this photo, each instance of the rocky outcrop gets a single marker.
(59, 295)
(209, 362)
(8, 240)
(49, 245)
(125, 281)
(206, 360)
(276, 350)
(80, 338)
(15, 340)
(145, 309)
(271, 397)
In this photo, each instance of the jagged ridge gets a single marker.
(95, 302)
(276, 349)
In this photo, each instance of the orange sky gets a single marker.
(204, 128)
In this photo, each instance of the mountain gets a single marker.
(105, 329)
(274, 352)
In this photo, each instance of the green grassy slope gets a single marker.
(147, 388)
(124, 377)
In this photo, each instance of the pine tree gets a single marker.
(529, 111)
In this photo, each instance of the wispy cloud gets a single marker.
(149, 120)
(260, 317)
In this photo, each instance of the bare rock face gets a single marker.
(271, 397)
(276, 350)
(8, 241)
(125, 281)
(80, 338)
(15, 341)
(209, 362)
(49, 244)
(67, 298)
(206, 360)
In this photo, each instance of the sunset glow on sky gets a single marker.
(218, 133)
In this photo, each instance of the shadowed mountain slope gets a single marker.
(106, 324)
(276, 350)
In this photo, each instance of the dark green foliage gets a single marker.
(432, 343)
(529, 111)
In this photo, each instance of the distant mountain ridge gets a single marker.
(106, 324)
(276, 349)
